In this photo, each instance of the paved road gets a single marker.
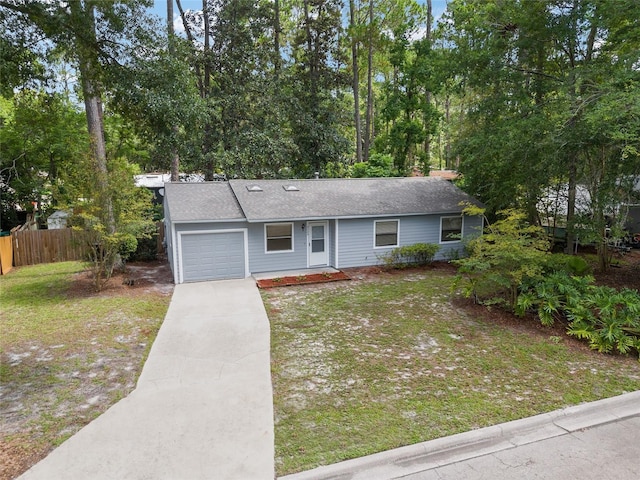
(203, 405)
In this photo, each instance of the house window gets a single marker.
(386, 233)
(279, 237)
(450, 229)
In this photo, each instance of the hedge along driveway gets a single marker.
(369, 365)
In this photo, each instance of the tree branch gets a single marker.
(534, 72)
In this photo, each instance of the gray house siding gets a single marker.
(261, 261)
(356, 238)
(355, 243)
(333, 244)
(471, 227)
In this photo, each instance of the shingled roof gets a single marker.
(272, 200)
(200, 202)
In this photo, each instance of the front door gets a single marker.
(317, 244)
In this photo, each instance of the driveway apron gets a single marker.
(203, 405)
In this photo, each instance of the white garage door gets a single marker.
(212, 256)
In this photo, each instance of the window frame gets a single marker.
(375, 234)
(266, 237)
(456, 240)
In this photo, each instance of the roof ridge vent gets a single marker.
(254, 188)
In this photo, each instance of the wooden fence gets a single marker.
(6, 255)
(46, 246)
(30, 247)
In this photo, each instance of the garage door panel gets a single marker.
(213, 256)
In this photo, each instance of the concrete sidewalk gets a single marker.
(592, 441)
(203, 405)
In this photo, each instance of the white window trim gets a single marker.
(450, 242)
(375, 224)
(267, 252)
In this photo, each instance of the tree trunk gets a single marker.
(427, 139)
(571, 203)
(312, 59)
(170, 22)
(87, 59)
(209, 166)
(277, 60)
(355, 81)
(368, 130)
(447, 142)
(207, 49)
(175, 157)
(189, 35)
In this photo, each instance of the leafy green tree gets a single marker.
(132, 208)
(315, 114)
(158, 96)
(542, 112)
(239, 76)
(510, 253)
(41, 136)
(379, 165)
(19, 65)
(94, 36)
(500, 57)
(409, 115)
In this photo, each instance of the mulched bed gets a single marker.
(302, 279)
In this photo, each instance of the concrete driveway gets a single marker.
(203, 405)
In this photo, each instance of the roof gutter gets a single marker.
(350, 217)
(231, 220)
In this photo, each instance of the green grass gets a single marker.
(366, 366)
(67, 354)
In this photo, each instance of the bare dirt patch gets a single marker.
(624, 273)
(138, 278)
(55, 383)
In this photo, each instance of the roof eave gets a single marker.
(351, 217)
(217, 220)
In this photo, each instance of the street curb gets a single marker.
(464, 446)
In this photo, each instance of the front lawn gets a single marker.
(66, 354)
(389, 360)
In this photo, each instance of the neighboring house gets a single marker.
(155, 182)
(219, 230)
(552, 208)
(57, 220)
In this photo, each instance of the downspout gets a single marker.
(337, 254)
(174, 249)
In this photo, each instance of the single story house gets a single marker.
(222, 230)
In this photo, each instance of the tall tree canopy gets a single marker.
(551, 92)
(94, 37)
(520, 96)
